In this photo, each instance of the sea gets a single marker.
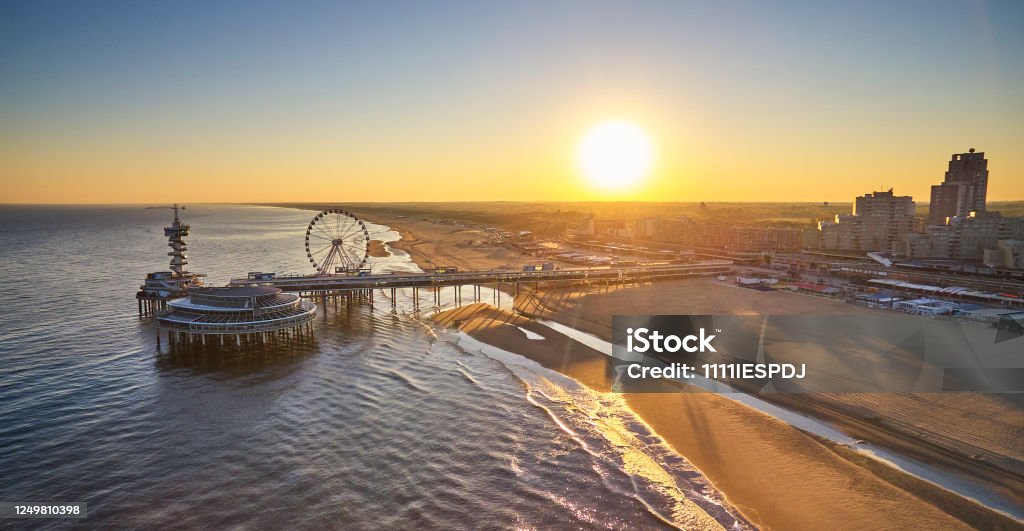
(380, 420)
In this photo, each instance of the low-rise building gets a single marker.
(1010, 254)
(767, 239)
(646, 228)
(693, 232)
(926, 306)
(967, 238)
(744, 238)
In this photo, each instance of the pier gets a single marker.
(363, 286)
(266, 307)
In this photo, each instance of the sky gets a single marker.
(221, 101)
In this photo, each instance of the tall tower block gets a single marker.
(964, 189)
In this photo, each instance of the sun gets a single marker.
(615, 155)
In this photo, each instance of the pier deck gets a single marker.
(333, 286)
(420, 280)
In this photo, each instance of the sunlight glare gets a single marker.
(615, 155)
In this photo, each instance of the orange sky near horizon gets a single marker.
(744, 101)
(541, 167)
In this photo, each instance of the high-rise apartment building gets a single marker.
(963, 191)
(878, 223)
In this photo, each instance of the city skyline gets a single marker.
(794, 102)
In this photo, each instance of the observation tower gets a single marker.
(162, 286)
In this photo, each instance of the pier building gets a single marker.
(238, 314)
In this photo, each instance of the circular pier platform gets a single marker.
(247, 313)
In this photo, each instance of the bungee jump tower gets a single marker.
(163, 286)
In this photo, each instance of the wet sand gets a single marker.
(378, 249)
(777, 476)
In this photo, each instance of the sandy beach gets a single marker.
(378, 249)
(777, 476)
(982, 440)
(432, 244)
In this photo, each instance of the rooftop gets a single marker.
(233, 292)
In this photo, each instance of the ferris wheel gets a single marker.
(337, 242)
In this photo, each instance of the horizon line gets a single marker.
(608, 201)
